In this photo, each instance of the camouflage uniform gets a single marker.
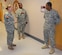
(51, 19)
(21, 19)
(9, 24)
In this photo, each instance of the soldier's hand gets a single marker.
(7, 17)
(15, 22)
(26, 22)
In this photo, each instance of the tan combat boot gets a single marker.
(45, 46)
(51, 51)
(10, 47)
(19, 36)
(23, 36)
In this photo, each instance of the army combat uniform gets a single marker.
(9, 24)
(21, 20)
(51, 19)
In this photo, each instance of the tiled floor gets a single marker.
(27, 46)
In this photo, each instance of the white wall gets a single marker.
(36, 20)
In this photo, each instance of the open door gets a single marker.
(57, 5)
(1, 12)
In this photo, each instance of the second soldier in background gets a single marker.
(21, 16)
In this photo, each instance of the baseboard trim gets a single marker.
(35, 38)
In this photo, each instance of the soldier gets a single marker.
(21, 16)
(9, 24)
(51, 20)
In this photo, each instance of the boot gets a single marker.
(10, 47)
(45, 46)
(23, 36)
(19, 38)
(14, 45)
(51, 51)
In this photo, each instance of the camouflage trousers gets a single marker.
(10, 37)
(49, 37)
(21, 29)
